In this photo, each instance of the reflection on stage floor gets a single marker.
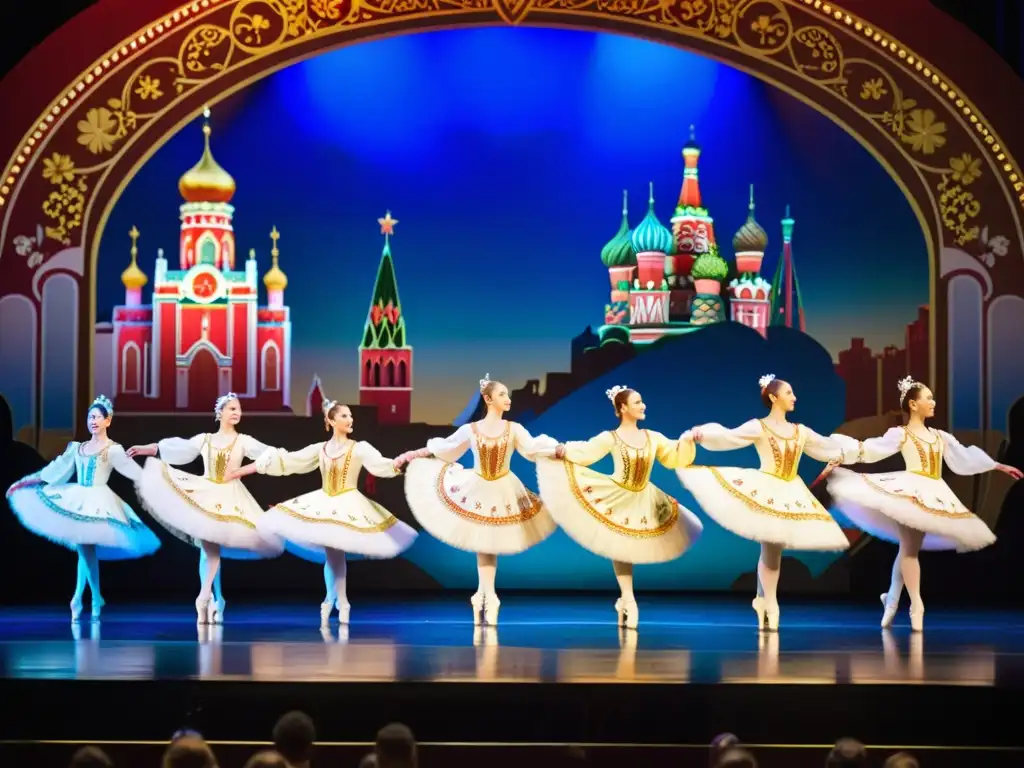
(569, 640)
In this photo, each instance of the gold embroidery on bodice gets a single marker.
(923, 457)
(784, 459)
(492, 453)
(334, 470)
(633, 465)
(217, 459)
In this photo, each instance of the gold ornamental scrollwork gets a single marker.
(779, 31)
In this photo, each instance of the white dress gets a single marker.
(771, 504)
(621, 516)
(916, 497)
(86, 512)
(207, 508)
(335, 515)
(485, 509)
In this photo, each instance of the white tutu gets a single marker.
(349, 523)
(879, 503)
(72, 515)
(621, 516)
(462, 509)
(198, 509)
(762, 507)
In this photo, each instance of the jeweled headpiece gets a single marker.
(328, 404)
(765, 380)
(104, 402)
(612, 393)
(223, 400)
(906, 384)
(485, 381)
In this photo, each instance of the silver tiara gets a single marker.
(104, 401)
(906, 384)
(223, 400)
(614, 391)
(485, 381)
(765, 380)
(328, 404)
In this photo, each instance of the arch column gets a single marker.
(966, 189)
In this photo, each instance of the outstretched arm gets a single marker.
(715, 437)
(173, 450)
(586, 452)
(277, 462)
(971, 460)
(452, 447)
(841, 449)
(59, 470)
(122, 464)
(673, 454)
(531, 448)
(375, 462)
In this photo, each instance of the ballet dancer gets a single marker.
(915, 508)
(213, 512)
(336, 518)
(770, 505)
(622, 516)
(85, 516)
(485, 510)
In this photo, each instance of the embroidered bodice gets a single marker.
(492, 456)
(89, 469)
(779, 452)
(339, 468)
(925, 457)
(633, 465)
(220, 454)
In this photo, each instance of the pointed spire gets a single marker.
(787, 227)
(650, 196)
(275, 279)
(385, 323)
(751, 207)
(133, 277)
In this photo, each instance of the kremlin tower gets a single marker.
(693, 230)
(749, 295)
(787, 305)
(385, 360)
(203, 333)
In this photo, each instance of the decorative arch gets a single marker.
(131, 369)
(963, 183)
(270, 366)
(207, 250)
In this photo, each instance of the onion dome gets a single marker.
(650, 236)
(618, 252)
(275, 279)
(133, 277)
(206, 181)
(750, 237)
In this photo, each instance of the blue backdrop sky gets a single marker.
(503, 153)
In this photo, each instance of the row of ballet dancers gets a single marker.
(488, 511)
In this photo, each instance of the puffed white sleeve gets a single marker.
(715, 437)
(531, 448)
(61, 468)
(374, 462)
(847, 450)
(965, 459)
(278, 462)
(178, 450)
(254, 449)
(587, 452)
(452, 447)
(123, 464)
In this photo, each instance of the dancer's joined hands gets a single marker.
(408, 456)
(695, 434)
(1013, 472)
(143, 450)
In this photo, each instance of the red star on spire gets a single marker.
(387, 224)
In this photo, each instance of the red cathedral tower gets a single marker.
(385, 360)
(203, 333)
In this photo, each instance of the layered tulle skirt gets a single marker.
(349, 522)
(73, 515)
(879, 503)
(762, 507)
(461, 508)
(646, 526)
(196, 509)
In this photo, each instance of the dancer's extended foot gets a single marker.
(97, 608)
(491, 607)
(890, 608)
(344, 609)
(759, 608)
(917, 617)
(325, 613)
(628, 612)
(76, 609)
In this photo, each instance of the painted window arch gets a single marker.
(270, 365)
(389, 374)
(966, 376)
(403, 374)
(227, 250)
(367, 373)
(18, 328)
(207, 249)
(1005, 366)
(59, 351)
(131, 368)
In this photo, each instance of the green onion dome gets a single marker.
(650, 236)
(618, 252)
